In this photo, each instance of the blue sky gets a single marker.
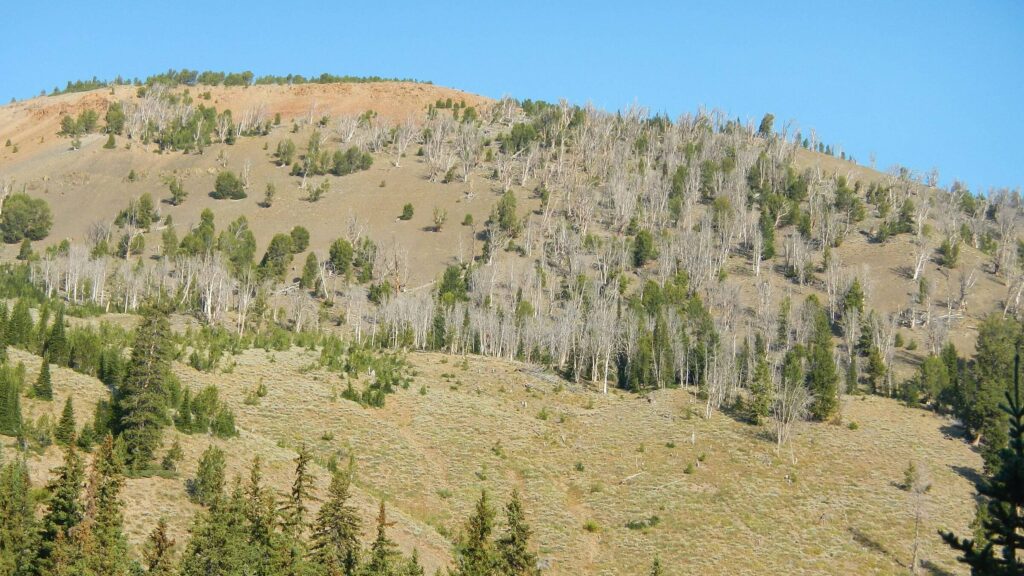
(923, 84)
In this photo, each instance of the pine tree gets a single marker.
(158, 551)
(56, 348)
(43, 388)
(10, 402)
(19, 541)
(183, 418)
(65, 432)
(310, 271)
(335, 538)
(475, 555)
(822, 378)
(260, 516)
(20, 326)
(102, 542)
(64, 509)
(514, 556)
(218, 539)
(1003, 491)
(208, 485)
(172, 457)
(141, 398)
(384, 554)
(294, 513)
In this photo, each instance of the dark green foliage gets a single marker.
(854, 298)
(25, 217)
(114, 118)
(25, 250)
(341, 254)
(986, 383)
(56, 347)
(949, 253)
(278, 257)
(111, 143)
(335, 534)
(453, 287)
(765, 128)
(43, 388)
(300, 239)
(310, 272)
(349, 161)
(760, 405)
(10, 402)
(238, 245)
(140, 400)
(475, 552)
(518, 139)
(157, 551)
(207, 488)
(998, 551)
(407, 212)
(64, 508)
(384, 557)
(643, 248)
(19, 540)
(228, 186)
(504, 214)
(513, 548)
(64, 434)
(822, 378)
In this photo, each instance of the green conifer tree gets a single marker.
(10, 402)
(43, 388)
(158, 551)
(19, 540)
(140, 400)
(208, 485)
(514, 556)
(335, 536)
(474, 553)
(65, 432)
(64, 508)
(384, 554)
(1002, 523)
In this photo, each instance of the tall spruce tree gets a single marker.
(10, 402)
(219, 539)
(43, 388)
(988, 381)
(822, 377)
(513, 549)
(208, 485)
(1002, 524)
(335, 537)
(141, 398)
(100, 536)
(57, 349)
(65, 431)
(474, 553)
(64, 508)
(19, 540)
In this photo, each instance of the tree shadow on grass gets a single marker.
(871, 544)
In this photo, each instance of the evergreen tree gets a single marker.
(141, 398)
(384, 554)
(219, 539)
(822, 378)
(158, 551)
(656, 569)
(261, 518)
(65, 432)
(183, 418)
(294, 513)
(10, 402)
(25, 250)
(43, 388)
(474, 553)
(57, 349)
(64, 509)
(19, 540)
(20, 326)
(989, 381)
(208, 485)
(514, 556)
(335, 537)
(310, 272)
(760, 390)
(1003, 492)
(100, 537)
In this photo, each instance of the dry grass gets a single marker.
(835, 508)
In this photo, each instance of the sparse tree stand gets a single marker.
(997, 550)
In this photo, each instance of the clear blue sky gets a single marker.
(921, 83)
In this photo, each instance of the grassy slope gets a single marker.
(841, 514)
(830, 506)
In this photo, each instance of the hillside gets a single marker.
(536, 338)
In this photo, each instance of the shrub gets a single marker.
(300, 239)
(407, 212)
(228, 186)
(25, 217)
